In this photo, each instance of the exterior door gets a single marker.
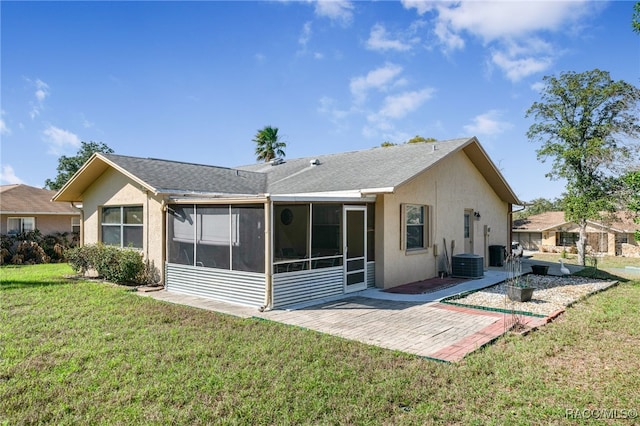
(355, 248)
(468, 231)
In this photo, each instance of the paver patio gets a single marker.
(418, 324)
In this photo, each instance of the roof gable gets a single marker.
(618, 222)
(165, 177)
(25, 199)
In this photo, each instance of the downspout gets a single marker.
(81, 233)
(510, 213)
(268, 261)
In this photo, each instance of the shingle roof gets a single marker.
(23, 199)
(356, 170)
(176, 177)
(540, 222)
(619, 221)
(367, 171)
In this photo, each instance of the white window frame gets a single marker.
(21, 226)
(122, 225)
(426, 231)
(75, 219)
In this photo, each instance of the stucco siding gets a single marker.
(449, 188)
(115, 189)
(46, 224)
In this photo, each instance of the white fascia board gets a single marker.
(332, 196)
(383, 190)
(216, 198)
(41, 213)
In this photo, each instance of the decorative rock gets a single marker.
(552, 293)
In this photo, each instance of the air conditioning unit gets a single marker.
(467, 266)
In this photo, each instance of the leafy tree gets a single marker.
(68, 166)
(586, 123)
(415, 139)
(539, 205)
(268, 144)
(631, 194)
(631, 181)
(420, 139)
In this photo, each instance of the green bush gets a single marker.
(32, 247)
(111, 263)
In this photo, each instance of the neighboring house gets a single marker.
(26, 208)
(288, 231)
(550, 232)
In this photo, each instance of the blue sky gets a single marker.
(194, 81)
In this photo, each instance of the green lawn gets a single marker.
(79, 352)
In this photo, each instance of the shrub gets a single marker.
(32, 247)
(111, 263)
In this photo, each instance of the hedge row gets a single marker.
(32, 247)
(112, 263)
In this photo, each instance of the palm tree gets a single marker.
(268, 144)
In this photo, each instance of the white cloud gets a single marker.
(538, 86)
(517, 68)
(449, 40)
(86, 123)
(329, 108)
(41, 93)
(42, 90)
(303, 41)
(336, 10)
(59, 139)
(398, 106)
(379, 40)
(305, 36)
(511, 29)
(4, 129)
(394, 107)
(421, 6)
(497, 20)
(488, 123)
(380, 79)
(8, 175)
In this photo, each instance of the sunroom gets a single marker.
(270, 254)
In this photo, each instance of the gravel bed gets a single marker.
(551, 294)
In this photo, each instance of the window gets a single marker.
(467, 225)
(567, 239)
(415, 226)
(75, 225)
(19, 225)
(122, 226)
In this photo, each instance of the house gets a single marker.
(551, 232)
(26, 208)
(289, 231)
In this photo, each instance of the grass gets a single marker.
(85, 352)
(608, 267)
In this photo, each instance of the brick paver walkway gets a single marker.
(428, 329)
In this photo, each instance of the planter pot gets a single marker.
(519, 294)
(539, 269)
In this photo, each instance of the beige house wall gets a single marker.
(115, 189)
(46, 224)
(449, 188)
